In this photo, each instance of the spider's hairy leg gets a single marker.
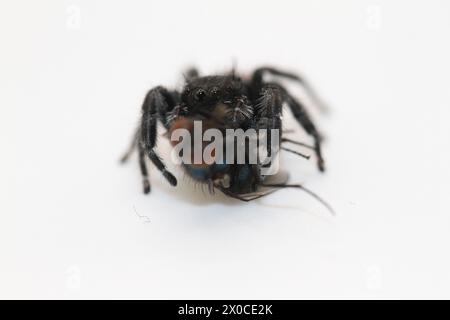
(143, 167)
(133, 145)
(299, 113)
(268, 112)
(305, 121)
(158, 102)
(258, 75)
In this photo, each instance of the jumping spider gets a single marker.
(223, 101)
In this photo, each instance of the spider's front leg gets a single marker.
(268, 117)
(158, 102)
(303, 118)
(268, 113)
(296, 107)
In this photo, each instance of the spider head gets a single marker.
(221, 98)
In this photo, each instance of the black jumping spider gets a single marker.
(224, 101)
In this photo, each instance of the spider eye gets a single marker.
(215, 91)
(200, 94)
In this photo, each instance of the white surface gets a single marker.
(70, 98)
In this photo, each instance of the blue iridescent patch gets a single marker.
(198, 172)
(244, 173)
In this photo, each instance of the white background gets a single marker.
(73, 75)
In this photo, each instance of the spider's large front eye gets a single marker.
(214, 91)
(200, 95)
